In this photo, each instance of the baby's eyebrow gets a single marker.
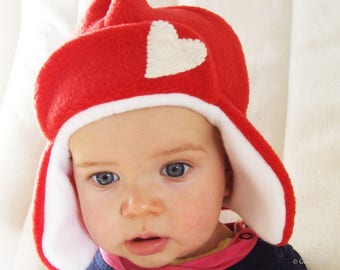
(176, 149)
(181, 148)
(86, 164)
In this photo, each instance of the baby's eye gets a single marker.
(105, 178)
(175, 169)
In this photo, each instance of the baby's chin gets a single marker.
(152, 261)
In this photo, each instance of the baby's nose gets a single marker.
(141, 205)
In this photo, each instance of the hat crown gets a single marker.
(108, 61)
(105, 13)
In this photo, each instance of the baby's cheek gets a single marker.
(190, 212)
(103, 227)
(193, 227)
(97, 214)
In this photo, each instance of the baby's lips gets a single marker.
(146, 244)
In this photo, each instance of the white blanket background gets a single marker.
(293, 54)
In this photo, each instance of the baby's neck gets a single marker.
(221, 234)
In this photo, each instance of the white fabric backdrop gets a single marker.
(293, 54)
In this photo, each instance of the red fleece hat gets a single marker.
(126, 56)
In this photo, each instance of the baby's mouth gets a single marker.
(146, 245)
(140, 239)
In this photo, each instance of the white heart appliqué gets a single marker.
(169, 55)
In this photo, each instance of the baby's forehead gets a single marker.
(151, 119)
(161, 113)
(157, 127)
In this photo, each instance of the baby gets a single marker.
(144, 178)
(144, 112)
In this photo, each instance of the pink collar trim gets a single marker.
(243, 242)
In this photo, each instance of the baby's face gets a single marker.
(151, 184)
